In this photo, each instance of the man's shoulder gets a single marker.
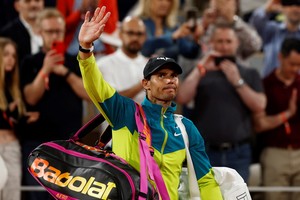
(13, 27)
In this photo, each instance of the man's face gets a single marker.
(224, 41)
(292, 14)
(52, 29)
(29, 9)
(133, 36)
(290, 65)
(162, 86)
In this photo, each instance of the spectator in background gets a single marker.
(122, 69)
(226, 11)
(280, 123)
(52, 85)
(22, 30)
(225, 98)
(9, 12)
(164, 34)
(12, 112)
(272, 32)
(73, 12)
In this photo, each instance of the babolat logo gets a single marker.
(42, 170)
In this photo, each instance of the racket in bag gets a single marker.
(69, 170)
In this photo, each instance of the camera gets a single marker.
(191, 18)
(290, 2)
(218, 60)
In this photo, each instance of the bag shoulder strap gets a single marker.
(193, 184)
(147, 163)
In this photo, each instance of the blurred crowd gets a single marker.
(240, 83)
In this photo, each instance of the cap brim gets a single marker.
(174, 65)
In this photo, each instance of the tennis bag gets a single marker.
(69, 170)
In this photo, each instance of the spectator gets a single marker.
(22, 30)
(280, 123)
(273, 33)
(122, 69)
(12, 111)
(161, 83)
(53, 89)
(164, 35)
(225, 98)
(225, 11)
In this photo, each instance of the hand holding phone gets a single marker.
(59, 47)
(220, 59)
(191, 18)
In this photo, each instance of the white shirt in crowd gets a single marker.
(122, 72)
(36, 40)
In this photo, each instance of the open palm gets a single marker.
(92, 29)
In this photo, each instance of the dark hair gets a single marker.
(221, 25)
(289, 45)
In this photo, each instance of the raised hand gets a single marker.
(292, 109)
(92, 29)
(273, 6)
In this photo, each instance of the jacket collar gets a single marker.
(156, 109)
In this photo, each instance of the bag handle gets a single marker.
(88, 127)
(147, 162)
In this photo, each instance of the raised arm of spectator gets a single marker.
(260, 19)
(264, 122)
(250, 41)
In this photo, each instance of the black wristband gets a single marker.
(84, 50)
(67, 74)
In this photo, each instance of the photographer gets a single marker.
(273, 33)
(225, 95)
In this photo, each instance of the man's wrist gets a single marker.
(86, 48)
(240, 83)
(201, 69)
(67, 74)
